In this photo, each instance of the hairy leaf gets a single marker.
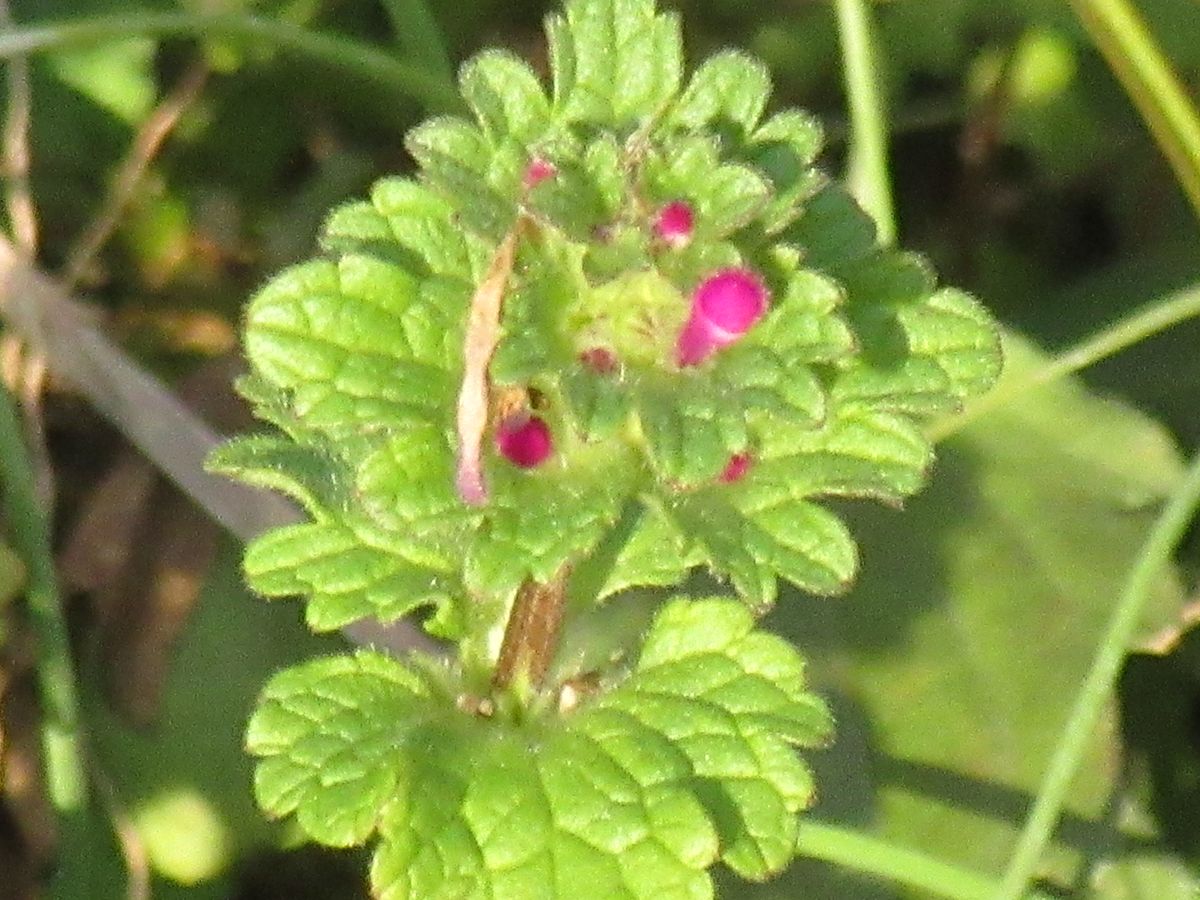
(686, 760)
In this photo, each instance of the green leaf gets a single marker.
(686, 760)
(724, 197)
(506, 96)
(352, 344)
(345, 574)
(692, 427)
(542, 520)
(728, 94)
(306, 473)
(616, 63)
(767, 533)
(458, 161)
(325, 735)
(996, 582)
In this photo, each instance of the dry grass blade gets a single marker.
(146, 144)
(483, 333)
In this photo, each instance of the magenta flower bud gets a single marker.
(524, 441)
(737, 467)
(538, 171)
(724, 307)
(599, 359)
(674, 224)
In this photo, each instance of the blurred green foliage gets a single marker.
(1021, 169)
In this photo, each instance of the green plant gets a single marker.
(605, 338)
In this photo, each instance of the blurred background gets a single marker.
(172, 174)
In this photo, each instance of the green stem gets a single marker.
(29, 535)
(1098, 685)
(867, 173)
(1118, 30)
(875, 856)
(343, 54)
(1150, 320)
(418, 34)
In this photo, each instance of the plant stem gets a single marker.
(875, 856)
(347, 55)
(29, 535)
(531, 636)
(151, 135)
(1146, 322)
(867, 173)
(418, 34)
(1098, 684)
(1120, 33)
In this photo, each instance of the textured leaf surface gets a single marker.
(636, 793)
(359, 356)
(980, 608)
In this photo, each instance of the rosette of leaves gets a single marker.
(554, 203)
(358, 359)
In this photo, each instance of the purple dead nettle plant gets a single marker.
(607, 334)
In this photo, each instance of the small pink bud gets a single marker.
(599, 359)
(674, 224)
(724, 306)
(524, 441)
(538, 171)
(737, 467)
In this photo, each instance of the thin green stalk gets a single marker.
(871, 855)
(29, 535)
(344, 54)
(1150, 320)
(1118, 30)
(867, 173)
(1098, 685)
(418, 34)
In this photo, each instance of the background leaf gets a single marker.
(978, 611)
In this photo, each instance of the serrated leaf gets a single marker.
(303, 472)
(325, 733)
(635, 794)
(691, 426)
(858, 453)
(457, 159)
(656, 553)
(541, 520)
(772, 535)
(728, 94)
(614, 62)
(345, 574)
(1021, 542)
(351, 343)
(506, 96)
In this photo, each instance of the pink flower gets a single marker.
(724, 307)
(538, 171)
(737, 467)
(524, 441)
(674, 224)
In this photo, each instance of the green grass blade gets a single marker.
(867, 173)
(418, 34)
(1118, 30)
(1098, 685)
(346, 55)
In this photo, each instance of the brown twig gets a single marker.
(28, 380)
(22, 213)
(531, 636)
(132, 170)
